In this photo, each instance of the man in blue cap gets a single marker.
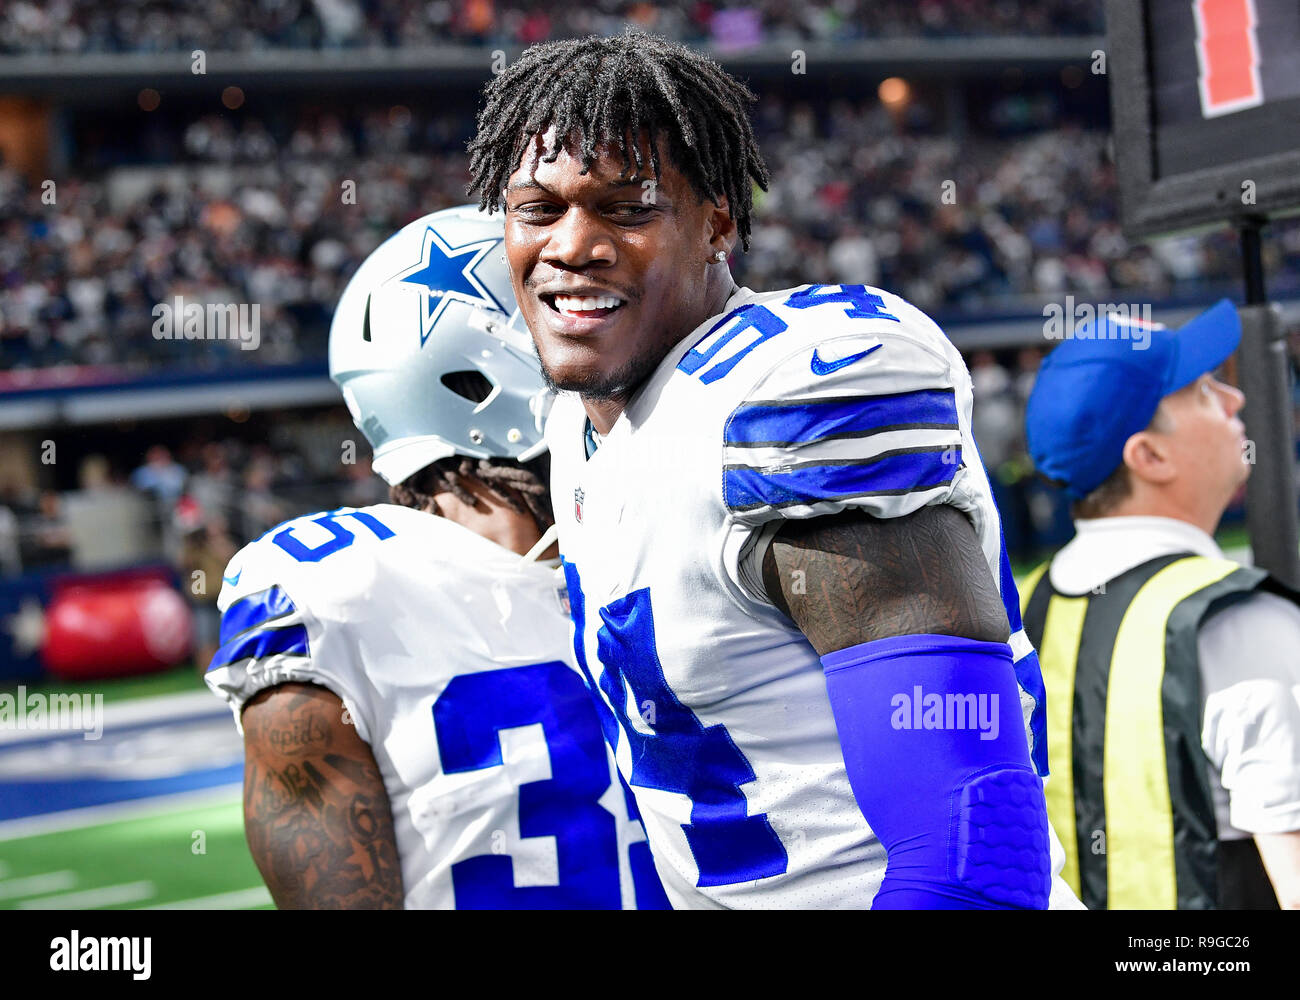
(1172, 673)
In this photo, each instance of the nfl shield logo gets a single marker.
(577, 504)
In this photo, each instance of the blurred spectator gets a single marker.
(205, 551)
(852, 258)
(95, 474)
(213, 486)
(994, 419)
(161, 476)
(361, 486)
(51, 537)
(258, 505)
(10, 559)
(996, 426)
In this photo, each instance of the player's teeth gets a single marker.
(587, 304)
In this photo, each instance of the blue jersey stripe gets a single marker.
(775, 423)
(263, 642)
(253, 610)
(1029, 674)
(1010, 593)
(892, 472)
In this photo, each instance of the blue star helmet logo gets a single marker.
(444, 274)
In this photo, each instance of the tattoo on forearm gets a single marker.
(864, 578)
(317, 816)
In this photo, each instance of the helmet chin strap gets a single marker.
(549, 537)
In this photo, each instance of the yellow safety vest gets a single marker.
(1129, 794)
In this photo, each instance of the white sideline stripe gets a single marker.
(238, 900)
(112, 812)
(123, 713)
(38, 885)
(91, 899)
(161, 706)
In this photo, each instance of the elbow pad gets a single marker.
(935, 749)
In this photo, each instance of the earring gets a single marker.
(720, 256)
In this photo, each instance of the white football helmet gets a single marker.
(431, 352)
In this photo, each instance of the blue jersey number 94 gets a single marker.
(680, 754)
(856, 302)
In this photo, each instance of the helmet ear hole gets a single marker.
(365, 325)
(471, 385)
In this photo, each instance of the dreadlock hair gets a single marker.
(606, 90)
(521, 486)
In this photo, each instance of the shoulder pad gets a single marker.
(846, 415)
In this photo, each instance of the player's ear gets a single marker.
(723, 234)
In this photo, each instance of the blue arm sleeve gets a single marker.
(935, 749)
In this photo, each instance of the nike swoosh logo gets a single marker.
(234, 580)
(820, 367)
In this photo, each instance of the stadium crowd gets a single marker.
(86, 26)
(227, 487)
(195, 507)
(982, 226)
(205, 494)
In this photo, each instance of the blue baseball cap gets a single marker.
(1098, 388)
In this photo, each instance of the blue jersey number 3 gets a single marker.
(468, 718)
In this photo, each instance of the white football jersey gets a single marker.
(790, 404)
(452, 657)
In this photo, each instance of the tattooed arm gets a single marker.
(316, 813)
(862, 578)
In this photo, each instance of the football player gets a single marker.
(784, 561)
(415, 731)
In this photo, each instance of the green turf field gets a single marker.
(183, 850)
(183, 678)
(173, 857)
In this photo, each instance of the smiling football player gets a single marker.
(784, 561)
